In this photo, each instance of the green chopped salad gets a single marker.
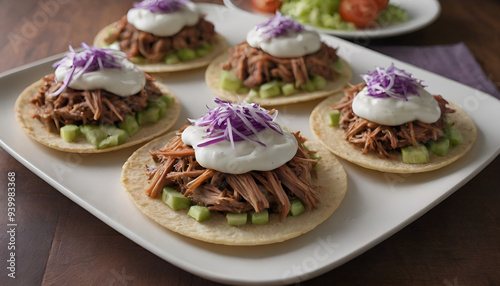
(325, 14)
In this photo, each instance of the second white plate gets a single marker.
(422, 13)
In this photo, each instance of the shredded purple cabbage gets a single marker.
(393, 82)
(278, 26)
(235, 122)
(162, 6)
(88, 60)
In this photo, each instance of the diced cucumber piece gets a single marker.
(160, 104)
(130, 125)
(207, 46)
(167, 99)
(309, 86)
(236, 219)
(175, 199)
(269, 89)
(415, 155)
(114, 136)
(171, 58)
(203, 50)
(253, 93)
(333, 118)
(104, 136)
(137, 59)
(149, 115)
(440, 148)
(452, 133)
(186, 54)
(296, 207)
(200, 52)
(261, 217)
(112, 130)
(338, 65)
(288, 89)
(69, 132)
(93, 134)
(199, 213)
(109, 141)
(243, 90)
(319, 82)
(229, 81)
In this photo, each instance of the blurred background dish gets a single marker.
(420, 14)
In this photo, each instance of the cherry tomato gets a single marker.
(359, 12)
(269, 6)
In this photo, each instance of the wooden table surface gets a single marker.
(60, 243)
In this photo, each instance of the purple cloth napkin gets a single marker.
(452, 61)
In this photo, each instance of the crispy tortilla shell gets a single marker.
(331, 177)
(333, 139)
(212, 78)
(36, 130)
(219, 45)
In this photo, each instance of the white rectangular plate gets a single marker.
(376, 205)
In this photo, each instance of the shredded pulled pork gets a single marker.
(134, 42)
(254, 66)
(374, 137)
(225, 192)
(87, 106)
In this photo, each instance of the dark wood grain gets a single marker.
(59, 243)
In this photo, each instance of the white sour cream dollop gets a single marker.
(392, 111)
(246, 156)
(126, 81)
(163, 25)
(295, 44)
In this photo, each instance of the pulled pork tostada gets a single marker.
(281, 62)
(235, 177)
(392, 124)
(96, 101)
(164, 36)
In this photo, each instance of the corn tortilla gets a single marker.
(36, 130)
(333, 139)
(212, 78)
(219, 45)
(331, 177)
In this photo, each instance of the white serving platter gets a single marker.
(376, 206)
